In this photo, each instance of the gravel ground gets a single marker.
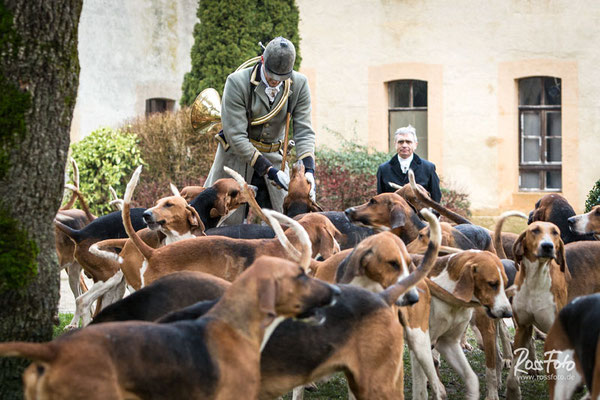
(66, 303)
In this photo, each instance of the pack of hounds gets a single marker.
(259, 310)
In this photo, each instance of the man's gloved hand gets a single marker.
(279, 178)
(313, 187)
(309, 172)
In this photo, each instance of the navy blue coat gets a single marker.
(425, 176)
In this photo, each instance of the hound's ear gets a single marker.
(397, 217)
(266, 299)
(347, 269)
(314, 207)
(465, 285)
(221, 206)
(562, 260)
(194, 220)
(518, 250)
(328, 246)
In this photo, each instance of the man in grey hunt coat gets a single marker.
(255, 150)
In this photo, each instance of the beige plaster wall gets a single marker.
(130, 51)
(470, 52)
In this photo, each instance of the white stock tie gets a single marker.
(271, 92)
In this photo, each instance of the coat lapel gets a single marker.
(396, 170)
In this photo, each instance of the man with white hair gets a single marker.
(396, 170)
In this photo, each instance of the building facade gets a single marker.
(505, 95)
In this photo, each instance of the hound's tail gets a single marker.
(84, 205)
(303, 256)
(100, 249)
(33, 351)
(116, 202)
(146, 250)
(451, 215)
(74, 234)
(391, 294)
(498, 231)
(73, 198)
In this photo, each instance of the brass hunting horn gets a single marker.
(206, 109)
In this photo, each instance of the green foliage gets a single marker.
(593, 198)
(228, 34)
(63, 321)
(14, 102)
(105, 158)
(352, 156)
(18, 254)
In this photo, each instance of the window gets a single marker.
(408, 105)
(540, 134)
(159, 105)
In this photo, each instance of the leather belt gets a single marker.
(266, 147)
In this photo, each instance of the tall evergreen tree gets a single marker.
(228, 34)
(39, 75)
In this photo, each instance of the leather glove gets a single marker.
(278, 178)
(313, 187)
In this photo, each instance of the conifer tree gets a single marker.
(228, 34)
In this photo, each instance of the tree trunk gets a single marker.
(39, 59)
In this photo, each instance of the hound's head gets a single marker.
(173, 216)
(479, 276)
(229, 197)
(298, 199)
(540, 241)
(376, 263)
(546, 207)
(383, 212)
(587, 223)
(419, 245)
(284, 290)
(324, 236)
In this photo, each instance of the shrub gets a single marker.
(348, 177)
(593, 198)
(455, 199)
(174, 153)
(106, 157)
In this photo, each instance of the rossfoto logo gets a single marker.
(561, 361)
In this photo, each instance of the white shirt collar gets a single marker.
(270, 91)
(405, 163)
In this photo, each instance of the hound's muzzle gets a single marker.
(149, 219)
(409, 298)
(546, 250)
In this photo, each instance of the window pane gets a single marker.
(553, 122)
(419, 94)
(553, 180)
(530, 180)
(553, 152)
(530, 91)
(553, 90)
(531, 150)
(531, 124)
(399, 94)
